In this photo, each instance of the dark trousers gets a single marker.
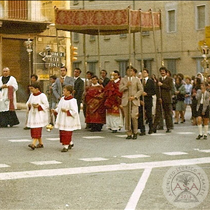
(167, 108)
(158, 120)
(148, 115)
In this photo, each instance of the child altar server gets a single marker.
(38, 112)
(67, 117)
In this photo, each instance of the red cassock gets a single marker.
(95, 111)
(113, 98)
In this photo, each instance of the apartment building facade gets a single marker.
(21, 21)
(183, 26)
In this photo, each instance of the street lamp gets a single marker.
(28, 44)
(205, 61)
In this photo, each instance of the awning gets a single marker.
(106, 22)
(8, 26)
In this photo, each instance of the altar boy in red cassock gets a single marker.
(68, 118)
(38, 111)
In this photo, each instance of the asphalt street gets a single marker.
(102, 171)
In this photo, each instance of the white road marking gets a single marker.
(158, 134)
(4, 166)
(122, 136)
(46, 162)
(93, 159)
(183, 133)
(206, 151)
(135, 156)
(53, 139)
(19, 140)
(175, 153)
(133, 201)
(101, 168)
(93, 137)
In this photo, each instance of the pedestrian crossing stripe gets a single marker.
(19, 140)
(206, 151)
(4, 166)
(93, 159)
(135, 156)
(46, 162)
(188, 133)
(175, 153)
(122, 136)
(93, 137)
(53, 139)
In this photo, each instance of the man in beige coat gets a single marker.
(132, 89)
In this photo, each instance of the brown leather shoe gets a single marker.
(39, 146)
(32, 146)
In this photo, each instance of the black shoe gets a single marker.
(72, 145)
(168, 131)
(154, 130)
(150, 132)
(176, 123)
(134, 136)
(129, 137)
(26, 128)
(32, 146)
(142, 134)
(199, 137)
(69, 147)
(114, 131)
(205, 137)
(64, 150)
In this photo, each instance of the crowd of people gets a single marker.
(131, 101)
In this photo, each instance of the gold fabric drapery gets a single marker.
(106, 22)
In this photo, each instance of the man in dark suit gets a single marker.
(104, 80)
(145, 110)
(61, 81)
(166, 86)
(78, 87)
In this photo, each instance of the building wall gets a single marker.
(13, 51)
(180, 45)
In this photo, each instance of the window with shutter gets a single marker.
(18, 10)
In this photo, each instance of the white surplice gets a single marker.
(64, 122)
(36, 118)
(4, 101)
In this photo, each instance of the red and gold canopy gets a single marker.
(106, 22)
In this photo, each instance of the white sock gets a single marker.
(66, 146)
(200, 130)
(206, 128)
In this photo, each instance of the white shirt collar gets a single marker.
(116, 80)
(95, 84)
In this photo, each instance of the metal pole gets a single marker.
(59, 58)
(29, 61)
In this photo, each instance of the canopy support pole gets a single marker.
(161, 39)
(99, 52)
(129, 77)
(142, 66)
(155, 46)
